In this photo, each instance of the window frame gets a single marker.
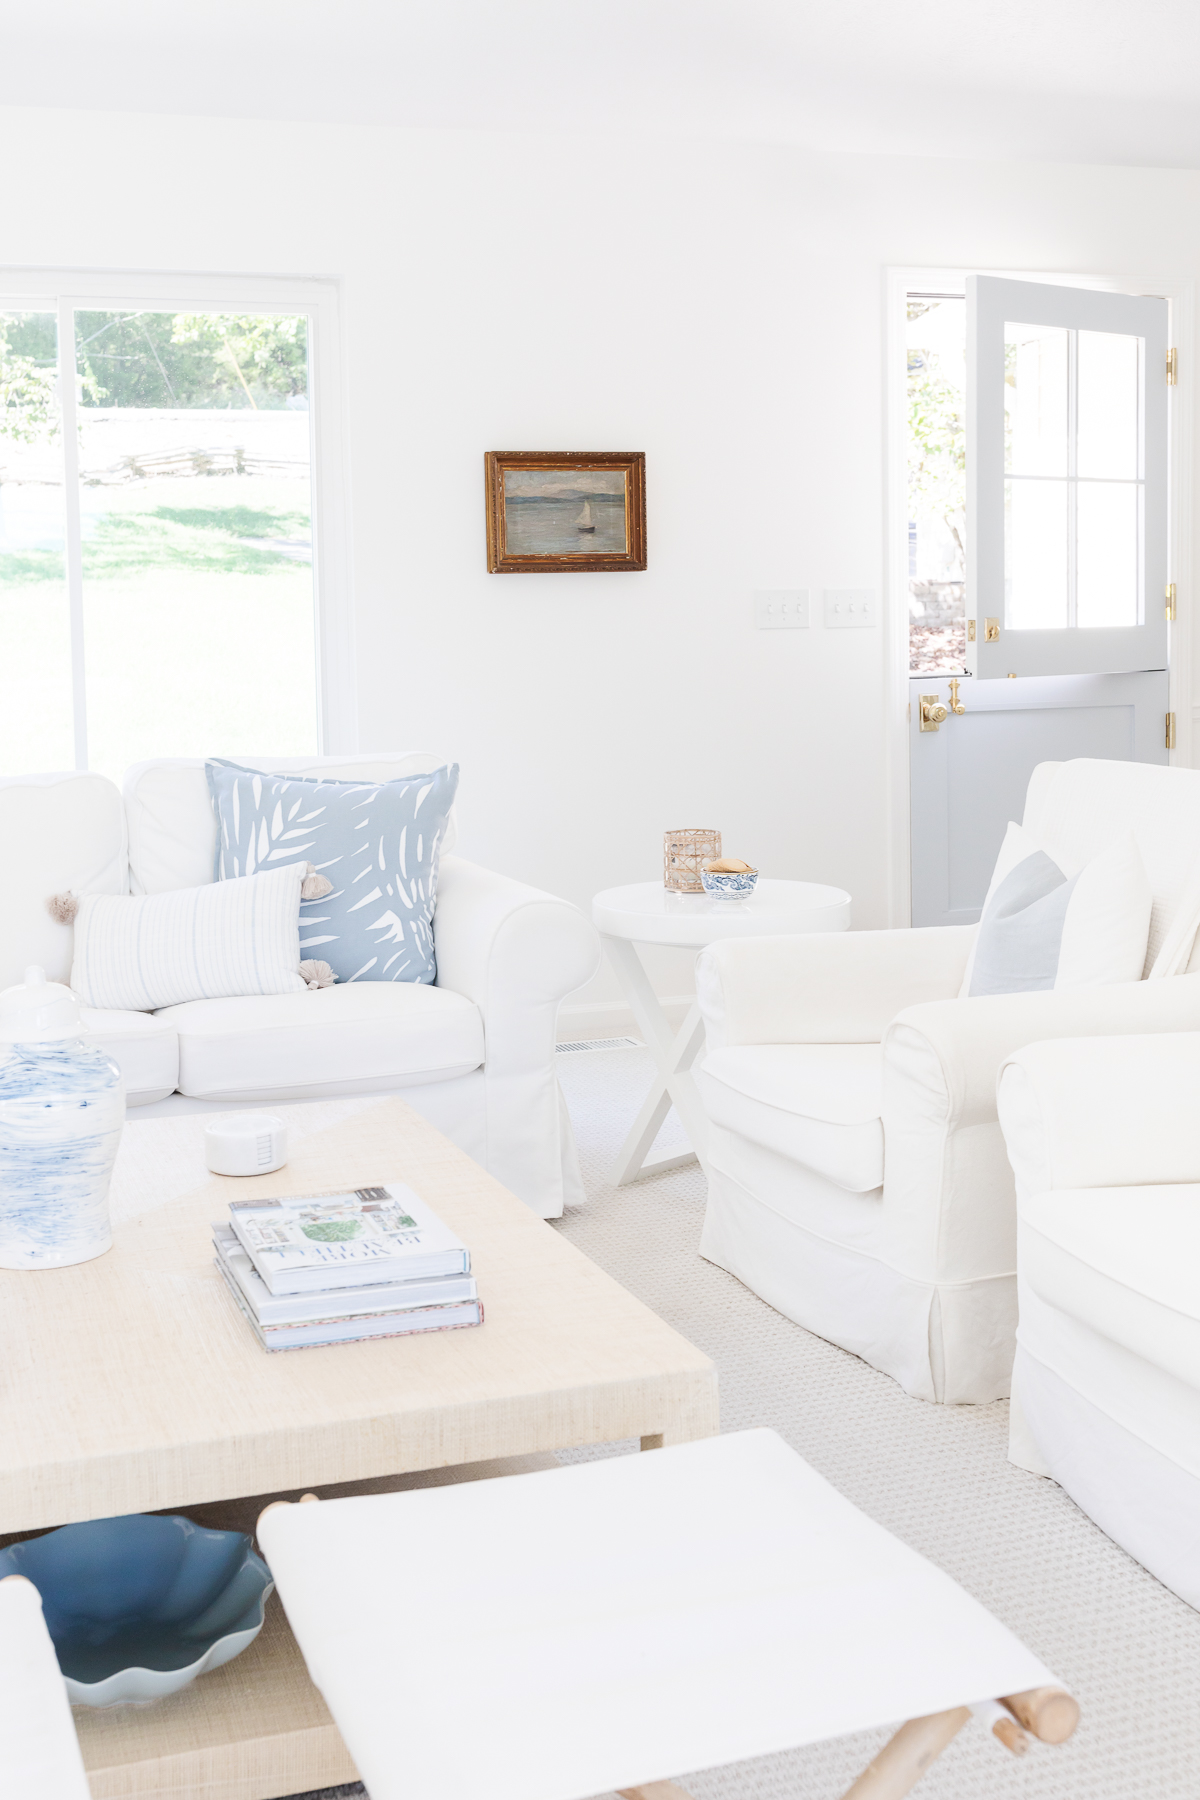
(63, 291)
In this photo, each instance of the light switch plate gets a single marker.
(849, 606)
(781, 609)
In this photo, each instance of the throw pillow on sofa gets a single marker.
(137, 952)
(377, 842)
(1040, 930)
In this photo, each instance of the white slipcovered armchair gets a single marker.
(39, 1752)
(858, 1179)
(1104, 1139)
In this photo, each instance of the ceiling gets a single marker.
(1061, 80)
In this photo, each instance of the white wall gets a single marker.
(719, 308)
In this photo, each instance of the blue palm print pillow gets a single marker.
(377, 842)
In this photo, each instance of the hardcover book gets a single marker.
(358, 1238)
(333, 1303)
(403, 1322)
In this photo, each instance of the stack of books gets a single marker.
(337, 1268)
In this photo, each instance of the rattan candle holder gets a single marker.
(684, 855)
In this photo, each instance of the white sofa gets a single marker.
(474, 1053)
(1104, 1139)
(858, 1179)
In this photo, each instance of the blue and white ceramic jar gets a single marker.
(62, 1106)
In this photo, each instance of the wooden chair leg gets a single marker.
(1050, 1713)
(654, 1790)
(906, 1756)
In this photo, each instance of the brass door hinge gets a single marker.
(1170, 599)
(1170, 733)
(1172, 367)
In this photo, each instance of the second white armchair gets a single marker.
(1104, 1138)
(858, 1175)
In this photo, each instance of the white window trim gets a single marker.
(1180, 295)
(63, 289)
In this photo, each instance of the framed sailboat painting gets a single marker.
(565, 511)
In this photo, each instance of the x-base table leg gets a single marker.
(674, 1052)
(1050, 1714)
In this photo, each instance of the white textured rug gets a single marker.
(936, 1476)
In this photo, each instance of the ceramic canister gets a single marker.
(62, 1106)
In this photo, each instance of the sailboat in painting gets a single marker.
(584, 521)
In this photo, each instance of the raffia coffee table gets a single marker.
(132, 1384)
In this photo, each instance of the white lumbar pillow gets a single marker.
(1039, 930)
(221, 941)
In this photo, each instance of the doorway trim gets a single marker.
(898, 280)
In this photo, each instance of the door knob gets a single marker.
(932, 712)
(956, 705)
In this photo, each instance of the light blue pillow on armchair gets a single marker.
(377, 842)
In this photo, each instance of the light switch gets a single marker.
(849, 606)
(781, 609)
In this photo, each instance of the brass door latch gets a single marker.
(991, 631)
(933, 710)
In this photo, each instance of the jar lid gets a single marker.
(39, 1011)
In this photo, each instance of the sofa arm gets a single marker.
(506, 945)
(825, 987)
(948, 1055)
(1102, 1112)
(515, 951)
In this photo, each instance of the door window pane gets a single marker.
(1035, 555)
(1073, 497)
(1107, 536)
(1109, 394)
(937, 491)
(1036, 400)
(36, 709)
(197, 543)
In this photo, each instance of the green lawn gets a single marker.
(196, 640)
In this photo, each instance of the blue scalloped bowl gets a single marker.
(138, 1606)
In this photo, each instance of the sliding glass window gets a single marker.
(156, 543)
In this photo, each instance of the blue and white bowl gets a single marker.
(138, 1606)
(728, 887)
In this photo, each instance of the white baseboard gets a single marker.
(612, 1018)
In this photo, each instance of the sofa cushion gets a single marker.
(818, 1104)
(376, 843)
(172, 830)
(1039, 930)
(358, 1039)
(144, 1048)
(1123, 1262)
(59, 832)
(226, 938)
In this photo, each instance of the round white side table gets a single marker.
(646, 913)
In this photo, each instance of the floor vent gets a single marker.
(602, 1044)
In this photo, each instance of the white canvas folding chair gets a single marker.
(561, 1634)
(39, 1752)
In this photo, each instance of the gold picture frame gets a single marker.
(565, 511)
